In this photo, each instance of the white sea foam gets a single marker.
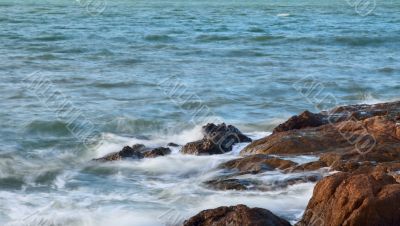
(153, 191)
(301, 159)
(111, 142)
(370, 99)
(283, 15)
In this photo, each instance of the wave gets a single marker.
(246, 53)
(112, 142)
(387, 70)
(109, 85)
(52, 38)
(158, 38)
(256, 30)
(213, 38)
(56, 128)
(355, 41)
(143, 191)
(264, 38)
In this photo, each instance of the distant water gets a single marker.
(140, 71)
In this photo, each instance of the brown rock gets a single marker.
(372, 139)
(239, 215)
(254, 164)
(218, 139)
(304, 120)
(366, 197)
(300, 179)
(345, 113)
(161, 151)
(310, 166)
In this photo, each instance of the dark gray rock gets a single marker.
(218, 139)
(137, 151)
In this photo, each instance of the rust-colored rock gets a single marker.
(310, 166)
(373, 139)
(254, 164)
(304, 120)
(344, 113)
(367, 197)
(239, 215)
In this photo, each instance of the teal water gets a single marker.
(141, 71)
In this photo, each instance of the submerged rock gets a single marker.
(161, 151)
(226, 183)
(254, 164)
(137, 151)
(239, 174)
(310, 166)
(172, 145)
(218, 139)
(367, 197)
(229, 184)
(239, 215)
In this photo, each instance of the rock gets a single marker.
(249, 182)
(254, 164)
(304, 120)
(241, 184)
(310, 166)
(218, 139)
(371, 139)
(202, 147)
(228, 184)
(157, 152)
(137, 151)
(300, 179)
(219, 133)
(239, 215)
(345, 113)
(172, 145)
(367, 197)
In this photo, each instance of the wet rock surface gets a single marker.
(253, 184)
(218, 139)
(229, 184)
(340, 114)
(239, 215)
(137, 151)
(161, 151)
(359, 144)
(362, 142)
(254, 164)
(373, 138)
(367, 197)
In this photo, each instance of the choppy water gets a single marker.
(140, 71)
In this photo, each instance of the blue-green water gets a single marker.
(140, 71)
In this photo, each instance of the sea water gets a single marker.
(153, 72)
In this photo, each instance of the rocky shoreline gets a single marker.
(358, 145)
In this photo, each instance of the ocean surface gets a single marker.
(80, 79)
